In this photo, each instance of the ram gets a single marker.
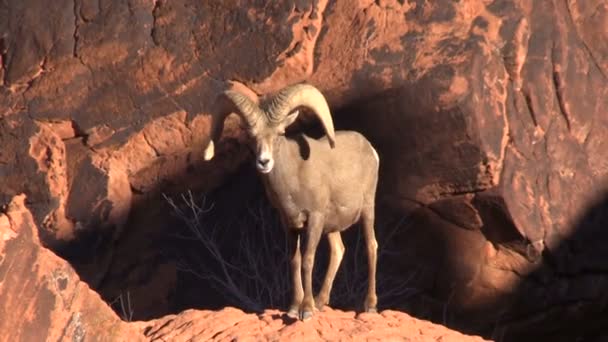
(319, 187)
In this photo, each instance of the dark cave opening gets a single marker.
(186, 248)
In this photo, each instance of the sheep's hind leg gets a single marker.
(336, 250)
(293, 240)
(367, 216)
(313, 231)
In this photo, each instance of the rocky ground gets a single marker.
(234, 325)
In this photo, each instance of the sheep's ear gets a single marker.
(290, 119)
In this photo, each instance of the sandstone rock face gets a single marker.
(489, 118)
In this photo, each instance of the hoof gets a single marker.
(305, 316)
(371, 310)
(293, 313)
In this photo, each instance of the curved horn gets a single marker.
(236, 101)
(246, 108)
(302, 95)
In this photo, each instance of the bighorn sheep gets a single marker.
(318, 186)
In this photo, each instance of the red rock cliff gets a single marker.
(489, 118)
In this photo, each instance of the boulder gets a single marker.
(43, 298)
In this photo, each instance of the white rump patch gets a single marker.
(376, 155)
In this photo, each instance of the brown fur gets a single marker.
(320, 187)
(319, 190)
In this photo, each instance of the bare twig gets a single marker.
(126, 310)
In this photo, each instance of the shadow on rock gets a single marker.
(565, 298)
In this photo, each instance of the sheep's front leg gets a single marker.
(293, 241)
(314, 230)
(336, 252)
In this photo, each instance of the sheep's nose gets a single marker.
(263, 162)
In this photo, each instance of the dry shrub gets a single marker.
(242, 253)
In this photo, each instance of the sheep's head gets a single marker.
(266, 125)
(264, 135)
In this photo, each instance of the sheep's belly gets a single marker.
(341, 218)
